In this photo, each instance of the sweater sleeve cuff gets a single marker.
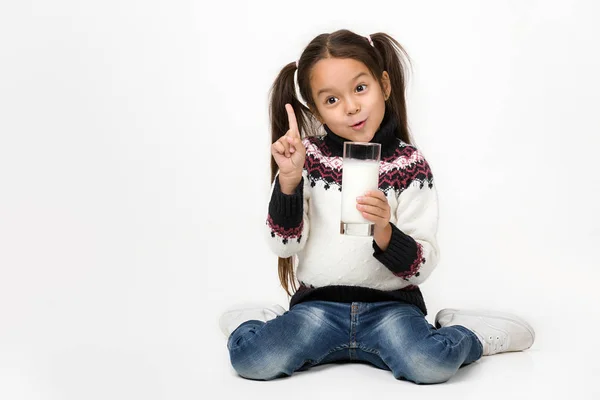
(402, 256)
(287, 210)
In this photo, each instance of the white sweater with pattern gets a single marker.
(337, 267)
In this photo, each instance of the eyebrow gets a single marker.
(329, 90)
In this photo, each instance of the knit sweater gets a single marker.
(336, 267)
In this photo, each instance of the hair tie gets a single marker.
(297, 87)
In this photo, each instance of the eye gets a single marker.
(329, 98)
(363, 86)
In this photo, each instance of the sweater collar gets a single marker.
(385, 135)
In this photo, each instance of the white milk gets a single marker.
(358, 177)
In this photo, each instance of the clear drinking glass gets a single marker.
(360, 173)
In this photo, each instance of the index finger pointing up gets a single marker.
(292, 118)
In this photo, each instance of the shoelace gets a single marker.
(496, 343)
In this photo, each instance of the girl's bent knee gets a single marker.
(429, 374)
(258, 364)
(260, 371)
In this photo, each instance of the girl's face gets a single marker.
(349, 100)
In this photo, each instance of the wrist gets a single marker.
(382, 235)
(288, 184)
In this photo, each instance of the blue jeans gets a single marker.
(390, 335)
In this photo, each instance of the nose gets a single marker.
(352, 107)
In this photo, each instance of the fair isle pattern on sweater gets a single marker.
(285, 233)
(396, 171)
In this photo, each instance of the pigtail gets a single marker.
(397, 63)
(282, 92)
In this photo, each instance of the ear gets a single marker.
(386, 85)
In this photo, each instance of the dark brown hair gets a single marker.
(386, 55)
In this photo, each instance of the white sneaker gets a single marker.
(230, 320)
(498, 332)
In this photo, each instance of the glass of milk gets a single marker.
(360, 173)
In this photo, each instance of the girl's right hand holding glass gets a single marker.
(289, 154)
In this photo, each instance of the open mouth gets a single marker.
(359, 125)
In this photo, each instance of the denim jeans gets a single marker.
(390, 335)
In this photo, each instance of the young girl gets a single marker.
(355, 298)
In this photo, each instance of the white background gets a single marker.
(134, 154)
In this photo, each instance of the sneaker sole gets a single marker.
(224, 317)
(242, 309)
(475, 313)
(246, 306)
